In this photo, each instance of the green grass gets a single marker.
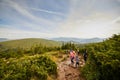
(29, 42)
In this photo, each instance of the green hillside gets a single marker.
(103, 61)
(29, 42)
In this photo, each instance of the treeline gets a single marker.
(19, 52)
(6, 52)
(68, 45)
(104, 60)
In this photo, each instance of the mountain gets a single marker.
(3, 39)
(78, 40)
(29, 42)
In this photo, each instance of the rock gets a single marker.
(68, 74)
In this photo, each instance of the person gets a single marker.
(85, 55)
(72, 57)
(77, 60)
(78, 52)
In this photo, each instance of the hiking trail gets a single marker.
(68, 72)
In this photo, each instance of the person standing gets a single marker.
(72, 55)
(85, 55)
(77, 60)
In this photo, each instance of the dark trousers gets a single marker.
(72, 60)
(77, 64)
(85, 58)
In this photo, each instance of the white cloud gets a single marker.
(89, 27)
(115, 20)
(18, 34)
(47, 11)
(26, 13)
(83, 20)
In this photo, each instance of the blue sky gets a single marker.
(59, 18)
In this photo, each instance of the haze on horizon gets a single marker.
(59, 18)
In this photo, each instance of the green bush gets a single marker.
(103, 62)
(37, 67)
(19, 52)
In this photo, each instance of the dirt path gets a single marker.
(68, 72)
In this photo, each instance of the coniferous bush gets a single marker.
(38, 67)
(104, 60)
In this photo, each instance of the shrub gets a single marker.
(27, 68)
(104, 60)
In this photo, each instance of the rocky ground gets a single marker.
(66, 71)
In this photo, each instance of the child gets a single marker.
(77, 60)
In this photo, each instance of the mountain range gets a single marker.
(78, 40)
(69, 39)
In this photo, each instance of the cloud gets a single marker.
(73, 18)
(47, 11)
(117, 20)
(28, 20)
(26, 13)
(89, 27)
(18, 34)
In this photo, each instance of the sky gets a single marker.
(59, 18)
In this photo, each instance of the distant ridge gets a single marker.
(29, 42)
(78, 40)
(3, 39)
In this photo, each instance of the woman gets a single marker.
(72, 56)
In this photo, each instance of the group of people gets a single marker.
(74, 57)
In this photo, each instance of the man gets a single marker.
(85, 55)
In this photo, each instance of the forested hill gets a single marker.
(29, 42)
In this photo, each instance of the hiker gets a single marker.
(77, 60)
(78, 52)
(85, 55)
(72, 55)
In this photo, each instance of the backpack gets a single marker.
(71, 54)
